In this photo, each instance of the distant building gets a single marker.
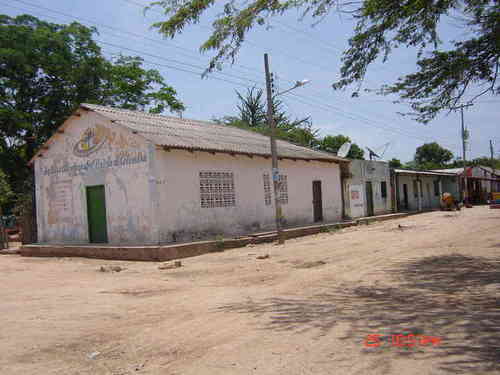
(421, 190)
(127, 177)
(481, 182)
(367, 189)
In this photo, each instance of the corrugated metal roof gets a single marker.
(429, 173)
(450, 170)
(173, 132)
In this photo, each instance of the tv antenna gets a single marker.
(372, 153)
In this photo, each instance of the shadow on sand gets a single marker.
(453, 297)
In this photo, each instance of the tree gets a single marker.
(432, 155)
(47, 70)
(5, 190)
(252, 115)
(332, 143)
(443, 76)
(488, 162)
(395, 163)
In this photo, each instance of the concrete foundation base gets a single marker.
(178, 251)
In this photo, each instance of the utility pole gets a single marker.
(492, 154)
(464, 139)
(274, 153)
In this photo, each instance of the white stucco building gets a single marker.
(127, 177)
(368, 189)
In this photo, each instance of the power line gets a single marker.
(187, 52)
(307, 101)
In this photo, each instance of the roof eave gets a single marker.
(250, 154)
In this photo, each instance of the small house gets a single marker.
(127, 177)
(481, 182)
(367, 189)
(422, 190)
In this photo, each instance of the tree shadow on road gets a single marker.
(453, 297)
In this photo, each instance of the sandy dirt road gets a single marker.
(307, 309)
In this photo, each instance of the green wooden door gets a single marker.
(96, 214)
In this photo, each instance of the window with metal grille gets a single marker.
(282, 189)
(383, 189)
(267, 189)
(217, 189)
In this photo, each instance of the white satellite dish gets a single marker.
(344, 149)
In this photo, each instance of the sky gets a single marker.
(296, 51)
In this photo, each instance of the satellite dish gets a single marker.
(344, 149)
(372, 153)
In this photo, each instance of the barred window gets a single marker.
(282, 189)
(267, 189)
(217, 189)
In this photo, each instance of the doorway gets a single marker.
(317, 201)
(369, 198)
(96, 214)
(405, 196)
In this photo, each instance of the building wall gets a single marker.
(121, 161)
(362, 171)
(182, 218)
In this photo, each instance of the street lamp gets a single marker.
(274, 154)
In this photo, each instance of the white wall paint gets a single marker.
(375, 172)
(157, 198)
(61, 193)
(181, 217)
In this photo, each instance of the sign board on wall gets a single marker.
(125, 153)
(356, 199)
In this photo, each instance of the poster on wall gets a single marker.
(357, 203)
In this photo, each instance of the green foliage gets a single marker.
(442, 78)
(395, 163)
(432, 156)
(5, 190)
(485, 161)
(332, 143)
(219, 242)
(252, 115)
(47, 70)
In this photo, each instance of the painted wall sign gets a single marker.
(357, 203)
(90, 141)
(121, 160)
(60, 194)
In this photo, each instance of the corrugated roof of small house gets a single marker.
(177, 133)
(423, 172)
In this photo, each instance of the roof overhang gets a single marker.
(410, 172)
(266, 156)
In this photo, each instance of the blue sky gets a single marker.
(296, 52)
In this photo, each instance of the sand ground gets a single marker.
(307, 309)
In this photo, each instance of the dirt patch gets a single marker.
(317, 263)
(228, 313)
(138, 292)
